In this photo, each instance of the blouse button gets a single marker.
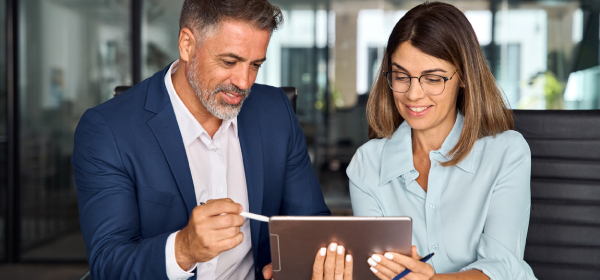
(209, 264)
(431, 206)
(434, 246)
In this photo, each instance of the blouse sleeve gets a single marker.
(363, 203)
(502, 243)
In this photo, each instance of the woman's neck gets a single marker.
(432, 139)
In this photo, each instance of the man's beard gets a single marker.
(219, 108)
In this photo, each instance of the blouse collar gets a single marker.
(397, 158)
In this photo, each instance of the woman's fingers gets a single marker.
(387, 261)
(385, 267)
(413, 263)
(380, 271)
(379, 274)
(318, 265)
(339, 263)
(329, 268)
(348, 268)
(332, 263)
(413, 252)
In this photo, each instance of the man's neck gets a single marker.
(188, 96)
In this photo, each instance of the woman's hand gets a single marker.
(386, 267)
(332, 264)
(329, 265)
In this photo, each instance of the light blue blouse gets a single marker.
(473, 216)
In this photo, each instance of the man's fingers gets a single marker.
(220, 199)
(213, 228)
(268, 271)
(329, 269)
(225, 233)
(339, 263)
(220, 206)
(229, 243)
(224, 221)
(348, 267)
(318, 265)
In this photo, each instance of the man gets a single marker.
(164, 169)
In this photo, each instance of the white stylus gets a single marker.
(255, 216)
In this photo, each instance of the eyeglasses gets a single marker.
(430, 83)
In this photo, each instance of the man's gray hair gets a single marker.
(205, 16)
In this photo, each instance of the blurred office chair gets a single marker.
(120, 89)
(563, 241)
(291, 93)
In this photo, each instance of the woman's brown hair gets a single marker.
(442, 31)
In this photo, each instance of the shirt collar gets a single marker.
(188, 125)
(467, 163)
(397, 158)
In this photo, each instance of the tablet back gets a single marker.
(295, 241)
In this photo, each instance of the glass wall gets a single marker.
(331, 51)
(297, 56)
(72, 55)
(537, 44)
(160, 34)
(3, 93)
(544, 54)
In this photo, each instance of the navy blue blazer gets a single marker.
(134, 185)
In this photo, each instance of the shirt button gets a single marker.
(220, 190)
(209, 264)
(431, 206)
(434, 246)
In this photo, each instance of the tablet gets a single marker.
(295, 241)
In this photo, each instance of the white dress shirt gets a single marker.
(217, 172)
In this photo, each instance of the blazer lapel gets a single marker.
(252, 154)
(166, 130)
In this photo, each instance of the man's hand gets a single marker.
(268, 271)
(213, 228)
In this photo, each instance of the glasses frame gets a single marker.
(419, 79)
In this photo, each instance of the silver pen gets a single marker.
(255, 216)
(250, 215)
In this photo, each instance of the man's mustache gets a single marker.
(231, 88)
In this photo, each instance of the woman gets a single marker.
(443, 153)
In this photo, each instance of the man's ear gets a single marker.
(187, 44)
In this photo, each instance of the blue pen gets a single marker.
(407, 271)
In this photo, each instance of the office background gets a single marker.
(60, 57)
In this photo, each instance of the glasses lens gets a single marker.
(432, 84)
(399, 82)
